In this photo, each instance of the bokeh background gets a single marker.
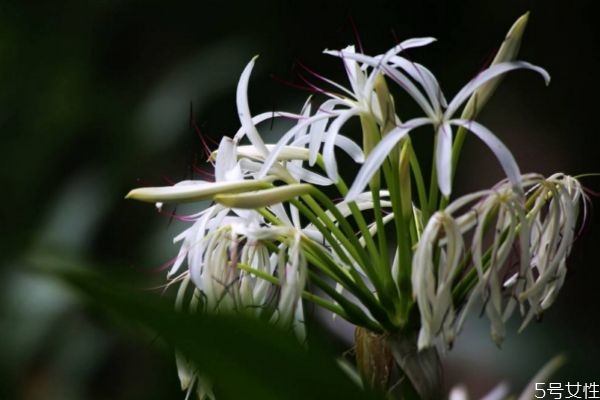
(95, 99)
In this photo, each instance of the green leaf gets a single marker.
(244, 358)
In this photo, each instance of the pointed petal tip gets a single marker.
(132, 194)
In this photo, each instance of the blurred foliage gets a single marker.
(95, 99)
(244, 358)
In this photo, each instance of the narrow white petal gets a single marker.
(498, 148)
(263, 198)
(414, 42)
(317, 130)
(406, 84)
(257, 119)
(200, 191)
(286, 152)
(351, 148)
(225, 159)
(330, 139)
(379, 154)
(443, 158)
(244, 109)
(402, 80)
(305, 175)
(425, 78)
(343, 142)
(487, 75)
(271, 157)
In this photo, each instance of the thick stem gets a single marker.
(374, 359)
(391, 364)
(422, 368)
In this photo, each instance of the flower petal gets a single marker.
(443, 158)
(330, 139)
(244, 109)
(201, 190)
(263, 198)
(498, 148)
(485, 77)
(317, 130)
(379, 154)
(225, 160)
(272, 155)
(425, 78)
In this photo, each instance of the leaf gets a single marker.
(244, 358)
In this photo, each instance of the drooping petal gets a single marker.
(413, 91)
(330, 139)
(379, 154)
(401, 79)
(257, 119)
(507, 160)
(271, 156)
(487, 75)
(308, 176)
(344, 143)
(317, 130)
(425, 78)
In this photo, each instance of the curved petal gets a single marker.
(507, 161)
(244, 109)
(305, 175)
(346, 144)
(379, 154)
(443, 158)
(200, 190)
(406, 84)
(257, 119)
(414, 42)
(330, 139)
(317, 130)
(425, 78)
(485, 77)
(226, 159)
(271, 156)
(402, 80)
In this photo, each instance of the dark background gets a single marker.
(95, 100)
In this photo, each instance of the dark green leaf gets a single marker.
(244, 358)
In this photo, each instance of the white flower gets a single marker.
(432, 281)
(438, 114)
(330, 117)
(518, 252)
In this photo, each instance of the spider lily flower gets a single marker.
(361, 100)
(554, 218)
(432, 282)
(518, 255)
(264, 159)
(438, 114)
(270, 227)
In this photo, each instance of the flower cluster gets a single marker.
(403, 256)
